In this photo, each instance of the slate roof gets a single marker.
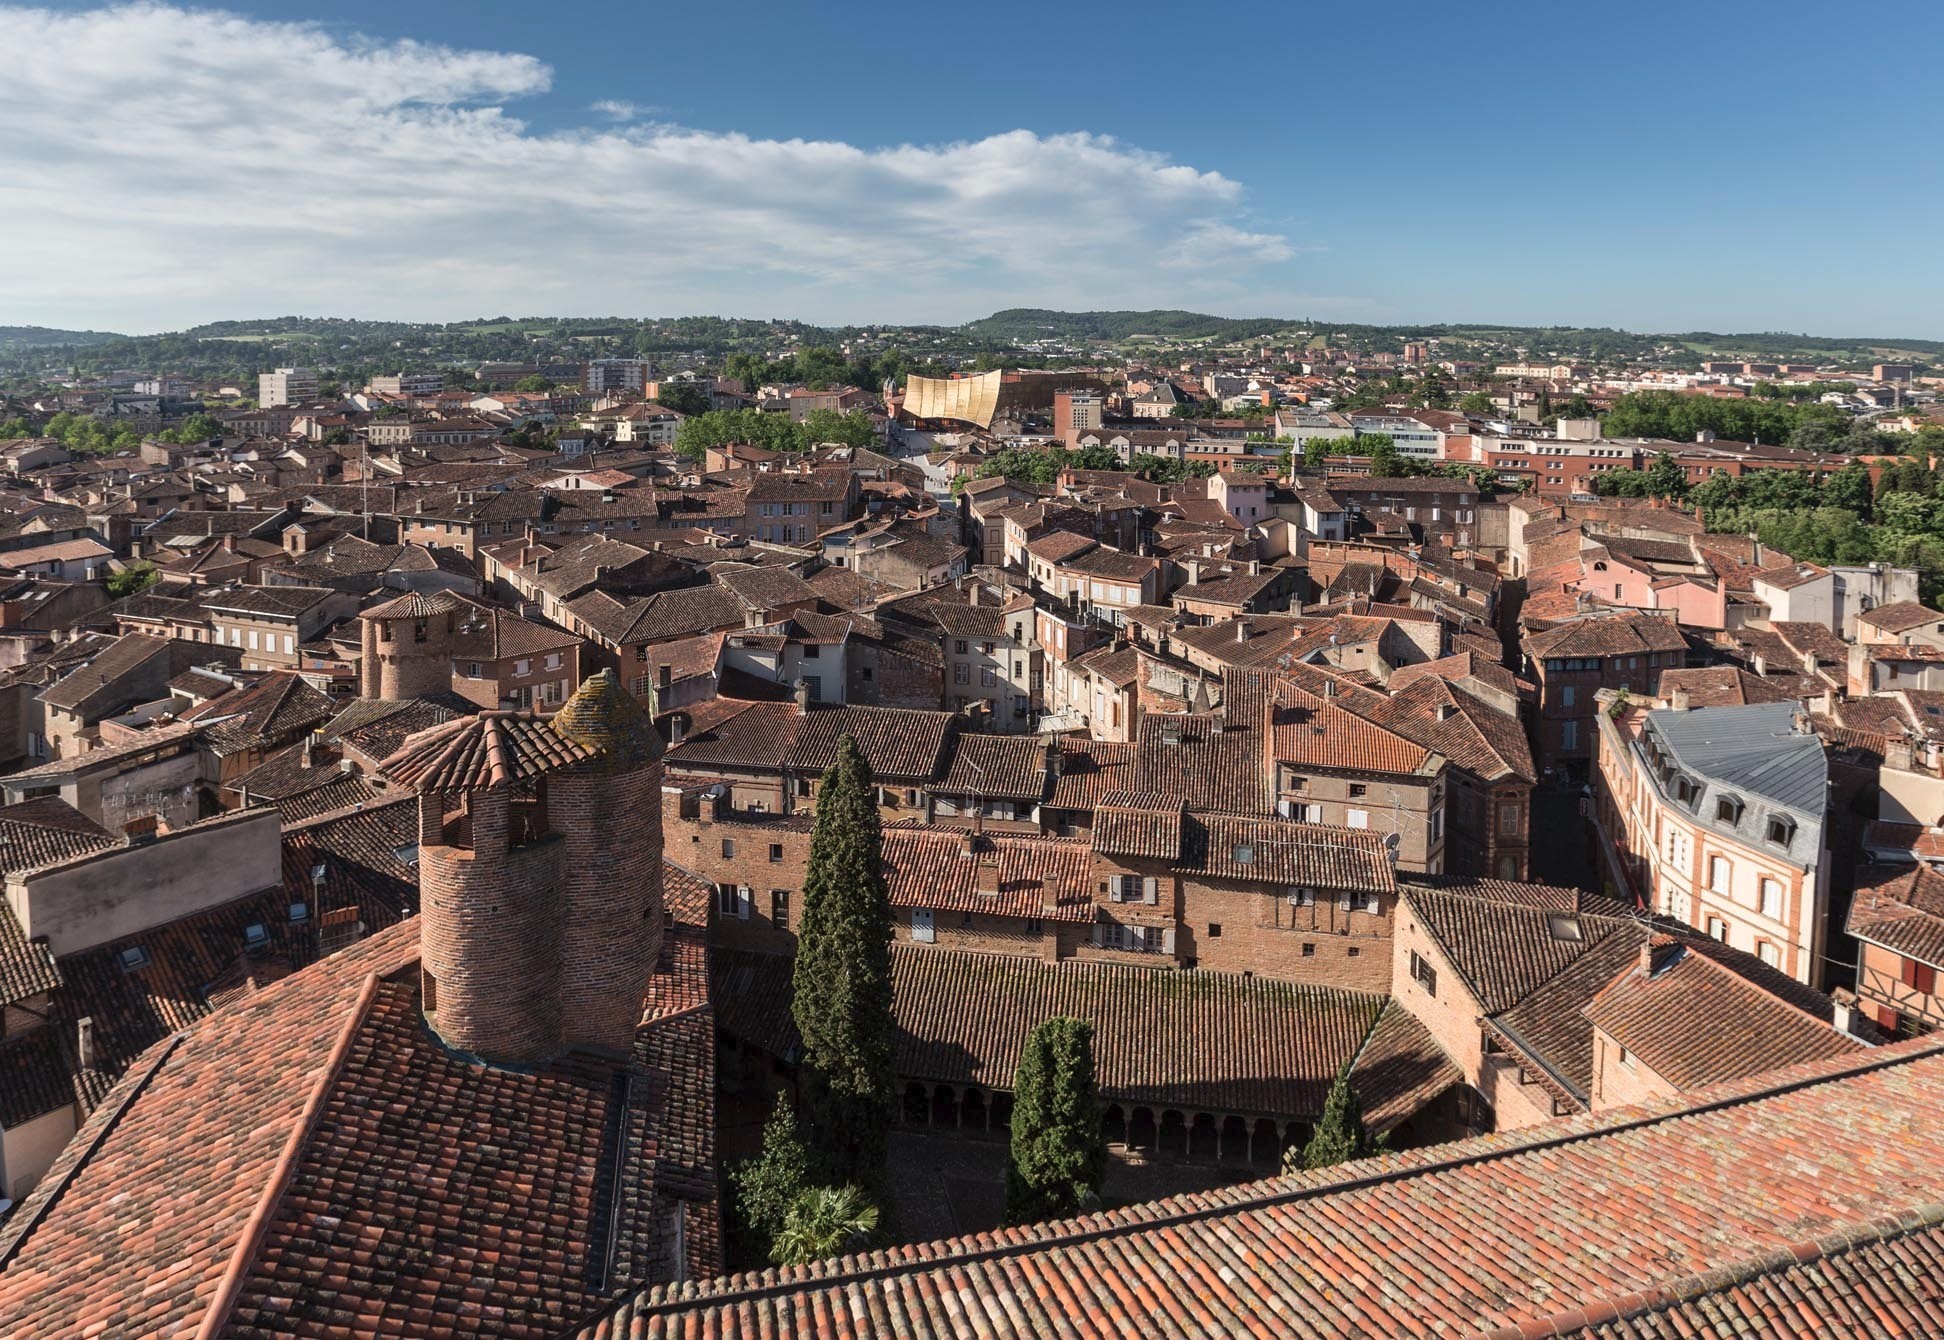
(1649, 1224)
(1754, 754)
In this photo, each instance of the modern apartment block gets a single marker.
(286, 386)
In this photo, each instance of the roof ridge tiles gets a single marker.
(1673, 1293)
(229, 1287)
(1196, 1206)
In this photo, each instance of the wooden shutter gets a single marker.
(1148, 893)
(1167, 941)
(742, 902)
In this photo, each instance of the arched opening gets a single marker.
(1265, 1144)
(1113, 1125)
(1203, 1138)
(972, 1110)
(916, 1105)
(1173, 1137)
(1002, 1109)
(944, 1108)
(1234, 1145)
(1141, 1130)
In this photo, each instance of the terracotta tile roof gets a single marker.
(39, 832)
(998, 767)
(1504, 951)
(1139, 825)
(1606, 635)
(377, 728)
(489, 633)
(1274, 851)
(1722, 686)
(900, 744)
(1649, 1216)
(476, 752)
(1900, 616)
(1312, 731)
(730, 733)
(963, 1018)
(1203, 760)
(1901, 908)
(276, 709)
(1050, 878)
(1088, 770)
(1399, 1069)
(102, 674)
(1473, 734)
(1749, 1031)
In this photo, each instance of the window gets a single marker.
(1356, 818)
(961, 673)
(553, 660)
(1508, 819)
(960, 646)
(1920, 977)
(1569, 735)
(1772, 899)
(780, 908)
(1626, 1058)
(1214, 930)
(1309, 949)
(988, 677)
(1718, 874)
(1567, 694)
(732, 900)
(133, 958)
(1728, 810)
(1768, 953)
(1424, 974)
(523, 667)
(1358, 789)
(299, 913)
(728, 848)
(775, 852)
(429, 990)
(812, 652)
(1781, 830)
(1717, 929)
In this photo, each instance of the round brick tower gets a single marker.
(608, 812)
(408, 646)
(540, 882)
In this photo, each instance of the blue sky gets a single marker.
(1718, 166)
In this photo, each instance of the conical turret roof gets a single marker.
(606, 720)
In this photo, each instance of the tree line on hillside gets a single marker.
(776, 432)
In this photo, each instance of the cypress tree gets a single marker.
(841, 996)
(1340, 1135)
(769, 1184)
(1058, 1152)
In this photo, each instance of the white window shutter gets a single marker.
(1099, 934)
(1167, 940)
(1343, 901)
(1148, 893)
(742, 902)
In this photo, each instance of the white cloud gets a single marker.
(161, 166)
(619, 109)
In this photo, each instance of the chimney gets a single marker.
(84, 1049)
(1241, 630)
(972, 593)
(1446, 711)
(1678, 699)
(1761, 666)
(1329, 690)
(1053, 759)
(1647, 957)
(1827, 704)
(987, 874)
(229, 543)
(310, 741)
(802, 695)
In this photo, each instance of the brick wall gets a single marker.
(489, 936)
(1241, 928)
(611, 906)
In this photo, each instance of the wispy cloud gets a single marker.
(617, 109)
(161, 165)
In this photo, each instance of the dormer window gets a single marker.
(1728, 809)
(1781, 830)
(133, 959)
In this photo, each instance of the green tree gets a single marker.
(133, 579)
(853, 428)
(685, 397)
(842, 982)
(1666, 478)
(1849, 488)
(1316, 453)
(824, 1221)
(1340, 1135)
(766, 1185)
(1475, 402)
(1386, 461)
(1058, 1154)
(534, 383)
